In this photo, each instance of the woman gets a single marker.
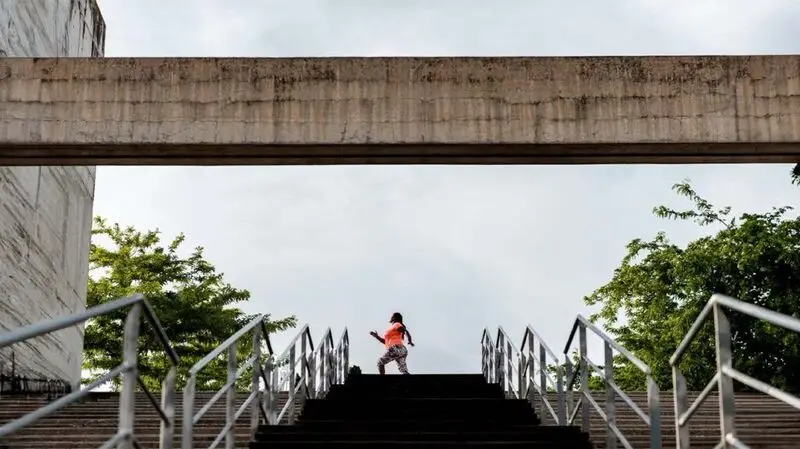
(393, 341)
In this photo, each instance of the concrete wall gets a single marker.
(46, 212)
(298, 108)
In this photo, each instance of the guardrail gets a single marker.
(327, 364)
(546, 358)
(613, 434)
(516, 370)
(308, 374)
(725, 374)
(125, 437)
(257, 330)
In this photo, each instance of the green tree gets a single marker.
(196, 307)
(661, 287)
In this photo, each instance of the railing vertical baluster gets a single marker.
(568, 388)
(255, 385)
(585, 393)
(531, 360)
(611, 409)
(292, 381)
(509, 369)
(654, 407)
(230, 402)
(498, 362)
(273, 395)
(543, 377)
(562, 414)
(346, 357)
(727, 404)
(266, 399)
(304, 363)
(130, 356)
(313, 377)
(187, 441)
(167, 433)
(323, 363)
(331, 365)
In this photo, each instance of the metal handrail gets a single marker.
(125, 437)
(258, 329)
(318, 368)
(529, 361)
(516, 370)
(342, 358)
(613, 434)
(725, 374)
(289, 360)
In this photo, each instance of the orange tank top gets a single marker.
(393, 336)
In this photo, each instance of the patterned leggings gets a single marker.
(398, 353)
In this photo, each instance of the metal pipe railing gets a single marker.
(612, 390)
(125, 437)
(516, 370)
(309, 375)
(725, 374)
(546, 358)
(257, 329)
(342, 358)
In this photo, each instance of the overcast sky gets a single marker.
(452, 248)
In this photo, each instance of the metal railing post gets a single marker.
(654, 408)
(255, 385)
(292, 381)
(486, 362)
(498, 367)
(346, 345)
(230, 403)
(727, 404)
(562, 412)
(312, 379)
(130, 355)
(266, 399)
(570, 398)
(585, 424)
(167, 434)
(304, 363)
(521, 381)
(611, 410)
(543, 377)
(509, 370)
(331, 357)
(188, 413)
(531, 359)
(273, 396)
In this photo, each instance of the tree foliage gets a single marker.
(660, 288)
(196, 307)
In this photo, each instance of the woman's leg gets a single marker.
(391, 354)
(401, 360)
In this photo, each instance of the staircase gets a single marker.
(418, 411)
(92, 422)
(300, 397)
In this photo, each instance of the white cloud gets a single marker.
(453, 248)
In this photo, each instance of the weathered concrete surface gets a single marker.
(45, 212)
(400, 110)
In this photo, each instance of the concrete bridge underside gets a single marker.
(581, 110)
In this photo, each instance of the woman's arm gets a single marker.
(377, 337)
(408, 335)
